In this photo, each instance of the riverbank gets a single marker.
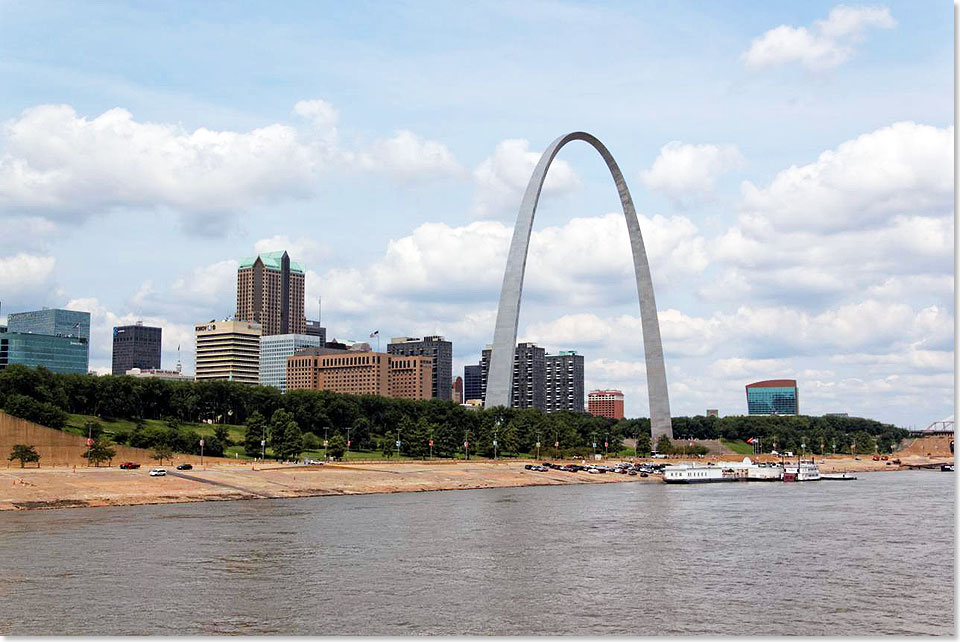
(31, 489)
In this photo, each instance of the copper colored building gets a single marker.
(270, 292)
(360, 373)
(605, 403)
(456, 390)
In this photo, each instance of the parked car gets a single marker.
(158, 472)
(658, 456)
(129, 465)
(528, 466)
(185, 467)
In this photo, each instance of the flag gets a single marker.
(751, 440)
(76, 326)
(375, 333)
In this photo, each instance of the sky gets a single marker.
(791, 165)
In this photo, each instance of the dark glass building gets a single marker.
(472, 383)
(52, 338)
(314, 329)
(564, 381)
(136, 346)
(435, 347)
(773, 397)
(529, 376)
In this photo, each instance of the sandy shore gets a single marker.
(25, 489)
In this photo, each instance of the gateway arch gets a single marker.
(500, 375)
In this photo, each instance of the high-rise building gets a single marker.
(438, 349)
(275, 349)
(773, 397)
(228, 351)
(53, 322)
(360, 372)
(472, 383)
(605, 403)
(529, 376)
(136, 346)
(314, 329)
(713, 412)
(456, 390)
(156, 373)
(63, 355)
(564, 381)
(270, 293)
(56, 339)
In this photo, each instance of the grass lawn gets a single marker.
(738, 446)
(76, 424)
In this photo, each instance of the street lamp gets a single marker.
(398, 443)
(538, 445)
(348, 440)
(325, 429)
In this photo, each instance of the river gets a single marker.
(872, 556)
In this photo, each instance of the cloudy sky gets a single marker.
(792, 164)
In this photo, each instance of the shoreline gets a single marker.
(52, 488)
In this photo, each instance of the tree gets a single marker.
(221, 434)
(285, 435)
(99, 452)
(161, 452)
(337, 446)
(310, 441)
(643, 444)
(664, 445)
(26, 454)
(256, 431)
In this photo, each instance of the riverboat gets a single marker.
(745, 470)
(802, 471)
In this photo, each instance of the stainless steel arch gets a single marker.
(500, 375)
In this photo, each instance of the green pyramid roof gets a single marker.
(271, 260)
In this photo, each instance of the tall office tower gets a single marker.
(270, 292)
(275, 349)
(564, 381)
(773, 397)
(605, 403)
(58, 340)
(314, 329)
(136, 346)
(472, 383)
(529, 376)
(456, 390)
(435, 347)
(228, 351)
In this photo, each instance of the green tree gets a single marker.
(664, 445)
(285, 435)
(161, 452)
(221, 434)
(310, 441)
(99, 452)
(643, 444)
(337, 447)
(256, 431)
(26, 454)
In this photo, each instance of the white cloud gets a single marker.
(209, 286)
(682, 171)
(407, 156)
(103, 320)
(60, 165)
(502, 178)
(23, 272)
(828, 44)
(903, 168)
(300, 249)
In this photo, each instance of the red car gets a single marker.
(129, 465)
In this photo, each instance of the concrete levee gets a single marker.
(58, 448)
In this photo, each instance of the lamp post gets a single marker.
(593, 440)
(538, 445)
(325, 429)
(606, 445)
(263, 443)
(398, 443)
(348, 440)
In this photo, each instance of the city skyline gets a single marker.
(775, 252)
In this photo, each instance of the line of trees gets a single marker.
(295, 421)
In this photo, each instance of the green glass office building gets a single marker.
(58, 340)
(773, 397)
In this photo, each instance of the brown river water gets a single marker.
(872, 556)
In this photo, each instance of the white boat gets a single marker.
(837, 476)
(744, 470)
(803, 471)
(765, 472)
